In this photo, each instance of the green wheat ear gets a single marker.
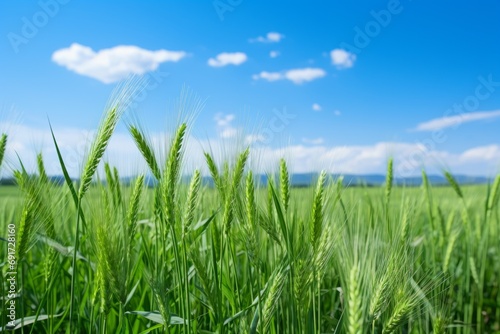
(271, 303)
(35, 213)
(389, 179)
(454, 184)
(494, 195)
(172, 172)
(146, 150)
(41, 168)
(192, 200)
(400, 312)
(133, 211)
(121, 99)
(97, 149)
(317, 211)
(354, 303)
(3, 147)
(250, 199)
(229, 202)
(284, 184)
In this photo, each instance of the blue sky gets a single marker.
(419, 80)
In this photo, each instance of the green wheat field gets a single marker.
(167, 254)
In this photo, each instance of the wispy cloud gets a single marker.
(113, 64)
(227, 58)
(449, 121)
(316, 107)
(342, 58)
(274, 54)
(482, 153)
(297, 76)
(271, 37)
(315, 141)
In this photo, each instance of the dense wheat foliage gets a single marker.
(237, 256)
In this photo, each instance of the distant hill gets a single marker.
(370, 180)
(307, 179)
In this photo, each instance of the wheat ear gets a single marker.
(146, 150)
(97, 149)
(192, 198)
(355, 311)
(3, 147)
(317, 212)
(284, 184)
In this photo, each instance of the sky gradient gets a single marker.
(329, 85)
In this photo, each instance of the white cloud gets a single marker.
(301, 75)
(297, 76)
(113, 64)
(271, 37)
(449, 121)
(312, 156)
(226, 58)
(342, 58)
(224, 120)
(228, 133)
(225, 128)
(251, 139)
(269, 76)
(337, 112)
(316, 107)
(274, 54)
(316, 141)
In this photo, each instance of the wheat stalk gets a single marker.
(159, 289)
(207, 281)
(104, 271)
